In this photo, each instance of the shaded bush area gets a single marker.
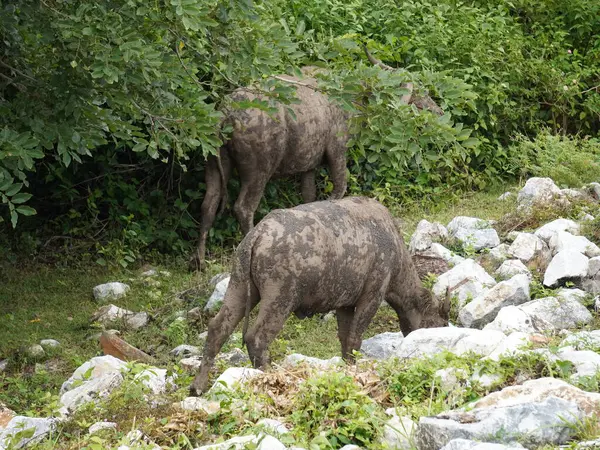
(108, 110)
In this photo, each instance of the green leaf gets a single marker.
(13, 189)
(20, 198)
(14, 217)
(26, 210)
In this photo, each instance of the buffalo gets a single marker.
(343, 255)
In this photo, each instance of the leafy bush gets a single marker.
(331, 408)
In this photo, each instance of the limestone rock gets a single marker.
(464, 222)
(35, 351)
(481, 343)
(115, 346)
(439, 251)
(381, 346)
(397, 431)
(466, 444)
(296, 358)
(429, 341)
(505, 196)
(235, 357)
(563, 240)
(548, 230)
(263, 441)
(582, 340)
(272, 426)
(586, 362)
(538, 192)
(199, 404)
(48, 344)
(498, 254)
(110, 291)
(38, 427)
(530, 249)
(479, 239)
(101, 426)
(515, 343)
(216, 299)
(6, 415)
(483, 309)
(512, 267)
(186, 351)
(465, 280)
(109, 314)
(544, 314)
(232, 377)
(566, 265)
(426, 234)
(191, 364)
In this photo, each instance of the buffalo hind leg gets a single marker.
(308, 186)
(270, 321)
(219, 329)
(365, 310)
(336, 158)
(248, 200)
(208, 211)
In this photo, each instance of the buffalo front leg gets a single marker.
(214, 193)
(344, 320)
(365, 310)
(219, 330)
(336, 158)
(308, 186)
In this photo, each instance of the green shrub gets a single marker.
(331, 406)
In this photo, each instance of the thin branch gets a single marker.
(17, 71)
(595, 88)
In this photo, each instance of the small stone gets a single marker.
(451, 378)
(512, 267)
(505, 196)
(235, 357)
(465, 280)
(110, 291)
(426, 234)
(538, 192)
(472, 223)
(498, 254)
(191, 364)
(23, 431)
(3, 365)
(49, 344)
(195, 314)
(110, 313)
(186, 351)
(233, 377)
(563, 240)
(273, 426)
(398, 431)
(566, 265)
(381, 346)
(149, 273)
(199, 404)
(296, 358)
(529, 248)
(216, 299)
(113, 345)
(101, 426)
(35, 351)
(478, 239)
(466, 444)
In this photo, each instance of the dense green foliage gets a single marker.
(107, 110)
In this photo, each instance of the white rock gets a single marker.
(110, 291)
(156, 380)
(186, 350)
(549, 421)
(486, 380)
(232, 377)
(451, 378)
(11, 435)
(594, 190)
(566, 265)
(3, 365)
(470, 223)
(479, 239)
(563, 240)
(429, 341)
(89, 392)
(499, 254)
(381, 346)
(149, 273)
(505, 196)
(528, 247)
(477, 281)
(544, 314)
(101, 426)
(296, 358)
(398, 432)
(572, 193)
(35, 351)
(264, 441)
(483, 309)
(191, 364)
(482, 343)
(199, 404)
(49, 343)
(94, 368)
(515, 343)
(587, 218)
(538, 191)
(466, 444)
(110, 313)
(571, 295)
(426, 234)
(548, 230)
(582, 340)
(586, 362)
(216, 299)
(512, 267)
(439, 251)
(273, 426)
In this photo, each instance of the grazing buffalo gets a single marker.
(264, 146)
(343, 255)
